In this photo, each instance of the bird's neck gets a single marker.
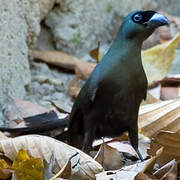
(132, 45)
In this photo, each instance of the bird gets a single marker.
(109, 101)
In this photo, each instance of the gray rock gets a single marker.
(14, 68)
(34, 11)
(19, 28)
(49, 85)
(78, 25)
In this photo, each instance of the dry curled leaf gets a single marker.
(63, 60)
(168, 170)
(56, 58)
(96, 54)
(163, 115)
(158, 59)
(109, 157)
(83, 166)
(170, 142)
(4, 169)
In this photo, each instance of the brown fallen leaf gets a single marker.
(122, 147)
(163, 115)
(142, 176)
(167, 170)
(83, 166)
(170, 142)
(63, 60)
(56, 58)
(83, 69)
(96, 54)
(109, 157)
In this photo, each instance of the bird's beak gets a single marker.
(157, 20)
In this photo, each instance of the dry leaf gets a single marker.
(122, 147)
(142, 176)
(170, 142)
(56, 58)
(96, 54)
(27, 168)
(109, 157)
(65, 172)
(63, 60)
(125, 173)
(166, 171)
(158, 59)
(4, 169)
(83, 69)
(163, 115)
(83, 166)
(149, 167)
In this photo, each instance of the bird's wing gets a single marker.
(88, 92)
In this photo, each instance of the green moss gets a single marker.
(76, 39)
(109, 8)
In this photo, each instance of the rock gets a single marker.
(49, 85)
(35, 11)
(77, 26)
(19, 28)
(14, 67)
(169, 6)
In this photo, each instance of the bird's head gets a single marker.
(141, 24)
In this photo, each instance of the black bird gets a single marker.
(108, 103)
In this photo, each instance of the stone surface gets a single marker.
(19, 28)
(78, 25)
(14, 68)
(34, 11)
(49, 85)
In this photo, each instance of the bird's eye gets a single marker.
(137, 17)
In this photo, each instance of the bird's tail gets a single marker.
(40, 123)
